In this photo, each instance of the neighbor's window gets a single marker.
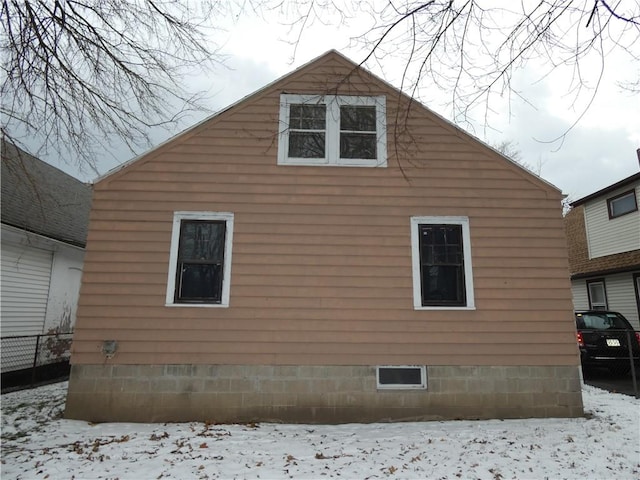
(200, 259)
(401, 377)
(332, 130)
(597, 294)
(622, 204)
(441, 254)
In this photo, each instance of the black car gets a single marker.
(604, 338)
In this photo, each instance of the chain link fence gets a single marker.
(32, 358)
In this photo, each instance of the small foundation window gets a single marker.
(402, 377)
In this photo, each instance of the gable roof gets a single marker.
(333, 55)
(41, 199)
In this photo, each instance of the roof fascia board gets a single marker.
(615, 186)
(18, 231)
(461, 133)
(195, 127)
(468, 137)
(608, 271)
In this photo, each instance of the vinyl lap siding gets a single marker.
(26, 274)
(580, 295)
(321, 269)
(609, 236)
(621, 296)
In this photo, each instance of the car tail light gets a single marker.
(581, 340)
(638, 337)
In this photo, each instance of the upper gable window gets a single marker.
(622, 204)
(332, 130)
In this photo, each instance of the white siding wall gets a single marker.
(580, 295)
(66, 274)
(608, 236)
(26, 272)
(40, 286)
(621, 296)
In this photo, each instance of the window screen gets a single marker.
(199, 273)
(442, 265)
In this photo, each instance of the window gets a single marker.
(441, 257)
(597, 294)
(601, 321)
(402, 377)
(622, 204)
(200, 259)
(332, 130)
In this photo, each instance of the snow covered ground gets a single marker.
(37, 443)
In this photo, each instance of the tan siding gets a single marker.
(321, 268)
(334, 320)
(185, 356)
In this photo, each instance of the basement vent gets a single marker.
(402, 377)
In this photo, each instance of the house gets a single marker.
(603, 234)
(45, 214)
(325, 250)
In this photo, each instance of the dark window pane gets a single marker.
(358, 145)
(442, 265)
(452, 234)
(454, 254)
(442, 284)
(199, 272)
(359, 119)
(200, 282)
(400, 376)
(306, 144)
(307, 117)
(202, 240)
(621, 205)
(438, 235)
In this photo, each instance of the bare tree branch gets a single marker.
(78, 72)
(471, 48)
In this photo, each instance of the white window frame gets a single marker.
(227, 217)
(402, 386)
(415, 260)
(332, 130)
(600, 283)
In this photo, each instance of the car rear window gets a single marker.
(601, 321)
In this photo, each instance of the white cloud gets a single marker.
(581, 157)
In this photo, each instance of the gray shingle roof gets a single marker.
(39, 198)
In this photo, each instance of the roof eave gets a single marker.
(603, 191)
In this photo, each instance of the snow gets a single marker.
(38, 443)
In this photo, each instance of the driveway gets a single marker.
(602, 378)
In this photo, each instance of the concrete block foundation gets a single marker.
(316, 394)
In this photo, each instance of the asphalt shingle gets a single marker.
(42, 199)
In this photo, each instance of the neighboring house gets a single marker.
(45, 213)
(325, 250)
(603, 234)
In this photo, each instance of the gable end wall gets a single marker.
(321, 272)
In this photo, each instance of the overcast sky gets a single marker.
(579, 159)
